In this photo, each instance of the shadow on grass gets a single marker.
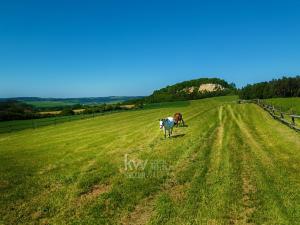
(177, 135)
(173, 136)
(185, 125)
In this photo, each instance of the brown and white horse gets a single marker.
(178, 119)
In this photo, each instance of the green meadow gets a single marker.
(289, 105)
(232, 164)
(49, 104)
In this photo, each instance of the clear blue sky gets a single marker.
(101, 48)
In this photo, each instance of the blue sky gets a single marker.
(102, 48)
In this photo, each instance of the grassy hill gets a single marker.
(232, 164)
(190, 90)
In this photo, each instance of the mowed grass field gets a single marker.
(289, 105)
(232, 164)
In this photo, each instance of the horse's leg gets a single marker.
(182, 122)
(165, 132)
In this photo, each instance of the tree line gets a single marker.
(284, 87)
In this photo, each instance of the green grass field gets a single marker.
(232, 164)
(48, 104)
(17, 125)
(289, 105)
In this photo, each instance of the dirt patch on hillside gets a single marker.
(203, 88)
(210, 87)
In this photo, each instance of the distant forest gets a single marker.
(176, 92)
(284, 87)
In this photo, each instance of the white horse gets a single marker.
(167, 124)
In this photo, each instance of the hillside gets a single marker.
(232, 164)
(189, 90)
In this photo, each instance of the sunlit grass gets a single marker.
(232, 164)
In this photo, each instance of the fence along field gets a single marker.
(287, 119)
(290, 119)
(232, 164)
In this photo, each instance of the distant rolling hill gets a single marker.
(57, 102)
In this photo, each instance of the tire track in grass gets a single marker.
(171, 186)
(213, 184)
(196, 194)
(174, 188)
(266, 173)
(218, 184)
(281, 177)
(262, 163)
(115, 191)
(139, 208)
(249, 188)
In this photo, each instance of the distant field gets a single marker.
(232, 164)
(58, 112)
(58, 102)
(48, 104)
(289, 105)
(50, 112)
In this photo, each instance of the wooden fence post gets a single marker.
(293, 121)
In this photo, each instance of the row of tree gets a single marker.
(15, 110)
(284, 87)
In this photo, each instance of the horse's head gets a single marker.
(161, 123)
